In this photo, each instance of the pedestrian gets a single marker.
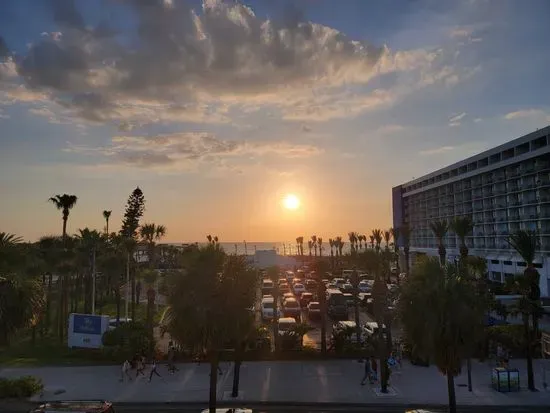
(140, 366)
(126, 370)
(171, 356)
(374, 369)
(154, 370)
(367, 374)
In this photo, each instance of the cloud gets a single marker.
(188, 66)
(477, 120)
(455, 119)
(189, 149)
(437, 151)
(528, 114)
(390, 129)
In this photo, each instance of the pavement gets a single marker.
(290, 382)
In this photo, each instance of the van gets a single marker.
(337, 307)
(267, 307)
(267, 286)
(286, 324)
(75, 406)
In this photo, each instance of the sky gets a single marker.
(219, 109)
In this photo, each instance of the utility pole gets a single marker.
(127, 283)
(93, 281)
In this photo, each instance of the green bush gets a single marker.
(127, 340)
(512, 338)
(21, 387)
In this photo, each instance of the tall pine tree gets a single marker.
(135, 206)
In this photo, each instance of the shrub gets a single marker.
(21, 387)
(512, 338)
(127, 340)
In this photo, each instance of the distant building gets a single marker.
(503, 190)
(270, 258)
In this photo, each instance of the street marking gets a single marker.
(266, 385)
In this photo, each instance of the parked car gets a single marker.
(299, 289)
(347, 288)
(305, 299)
(339, 282)
(286, 296)
(364, 286)
(267, 308)
(314, 310)
(291, 308)
(311, 286)
(282, 281)
(370, 328)
(296, 280)
(284, 288)
(349, 299)
(331, 286)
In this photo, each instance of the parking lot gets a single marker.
(313, 337)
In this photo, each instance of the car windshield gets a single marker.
(169, 163)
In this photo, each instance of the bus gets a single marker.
(75, 406)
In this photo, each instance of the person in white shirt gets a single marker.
(126, 370)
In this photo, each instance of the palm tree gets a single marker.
(331, 244)
(64, 203)
(9, 240)
(310, 246)
(352, 236)
(150, 233)
(440, 229)
(360, 239)
(314, 242)
(320, 244)
(8, 258)
(89, 244)
(387, 237)
(209, 238)
(208, 307)
(107, 215)
(371, 237)
(340, 245)
(377, 235)
(441, 315)
(395, 234)
(405, 231)
(462, 227)
(300, 242)
(526, 245)
(21, 304)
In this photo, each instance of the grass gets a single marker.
(48, 351)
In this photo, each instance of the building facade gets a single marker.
(503, 190)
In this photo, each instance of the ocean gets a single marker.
(282, 248)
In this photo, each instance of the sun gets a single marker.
(291, 201)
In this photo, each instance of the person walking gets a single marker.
(126, 371)
(154, 370)
(140, 366)
(171, 357)
(374, 369)
(367, 374)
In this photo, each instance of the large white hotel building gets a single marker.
(503, 189)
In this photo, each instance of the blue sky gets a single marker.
(218, 110)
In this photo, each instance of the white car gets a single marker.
(122, 320)
(266, 307)
(299, 289)
(314, 309)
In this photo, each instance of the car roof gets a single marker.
(306, 294)
(291, 299)
(268, 299)
(314, 302)
(298, 285)
(347, 323)
(287, 320)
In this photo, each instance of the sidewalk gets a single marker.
(282, 381)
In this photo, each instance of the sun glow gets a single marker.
(291, 201)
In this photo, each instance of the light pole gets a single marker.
(93, 281)
(127, 283)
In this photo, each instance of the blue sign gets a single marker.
(87, 324)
